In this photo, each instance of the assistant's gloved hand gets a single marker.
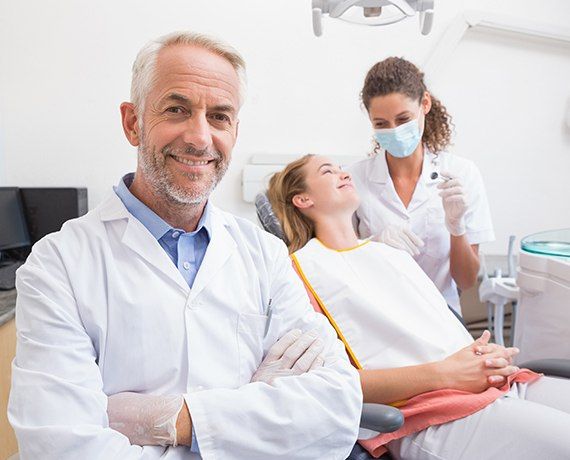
(454, 204)
(147, 420)
(293, 354)
(400, 237)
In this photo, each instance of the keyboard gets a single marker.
(8, 275)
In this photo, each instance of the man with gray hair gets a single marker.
(157, 325)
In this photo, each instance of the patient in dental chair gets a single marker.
(461, 398)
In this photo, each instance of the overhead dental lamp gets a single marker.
(373, 12)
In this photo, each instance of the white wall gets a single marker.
(65, 68)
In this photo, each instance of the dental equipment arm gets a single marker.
(405, 9)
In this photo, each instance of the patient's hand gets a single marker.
(478, 366)
(497, 357)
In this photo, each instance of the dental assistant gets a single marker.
(415, 195)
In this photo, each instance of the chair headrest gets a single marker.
(267, 217)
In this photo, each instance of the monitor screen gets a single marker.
(13, 228)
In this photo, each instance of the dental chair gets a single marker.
(379, 417)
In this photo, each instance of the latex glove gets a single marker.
(147, 420)
(293, 354)
(454, 204)
(400, 238)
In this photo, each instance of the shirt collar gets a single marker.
(152, 221)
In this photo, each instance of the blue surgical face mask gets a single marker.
(400, 142)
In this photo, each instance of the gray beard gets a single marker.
(161, 181)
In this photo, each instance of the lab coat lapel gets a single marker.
(420, 195)
(379, 174)
(219, 250)
(140, 240)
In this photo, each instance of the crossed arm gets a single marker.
(151, 420)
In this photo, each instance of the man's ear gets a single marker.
(130, 123)
(302, 201)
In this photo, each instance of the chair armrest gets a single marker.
(381, 418)
(552, 367)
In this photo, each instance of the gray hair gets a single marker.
(145, 63)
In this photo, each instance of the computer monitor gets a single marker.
(47, 209)
(13, 228)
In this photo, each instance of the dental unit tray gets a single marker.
(551, 243)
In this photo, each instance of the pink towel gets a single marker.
(442, 406)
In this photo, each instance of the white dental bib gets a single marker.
(382, 304)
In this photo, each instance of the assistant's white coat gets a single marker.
(381, 206)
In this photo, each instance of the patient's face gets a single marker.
(329, 188)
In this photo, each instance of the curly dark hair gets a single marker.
(396, 75)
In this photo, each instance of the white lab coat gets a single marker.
(381, 206)
(102, 309)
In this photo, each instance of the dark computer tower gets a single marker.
(47, 209)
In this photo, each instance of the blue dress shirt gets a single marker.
(185, 249)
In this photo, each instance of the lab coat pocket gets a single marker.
(255, 334)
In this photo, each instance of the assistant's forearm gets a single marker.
(463, 262)
(385, 386)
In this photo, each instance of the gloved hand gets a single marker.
(454, 204)
(293, 354)
(400, 238)
(147, 420)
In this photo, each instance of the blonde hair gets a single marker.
(283, 186)
(144, 66)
